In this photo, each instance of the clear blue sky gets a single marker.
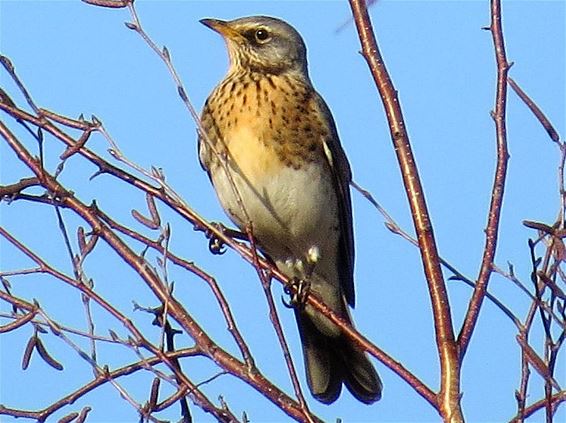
(76, 58)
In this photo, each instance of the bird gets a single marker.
(271, 149)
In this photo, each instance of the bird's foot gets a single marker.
(298, 290)
(215, 244)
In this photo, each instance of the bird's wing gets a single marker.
(208, 126)
(342, 175)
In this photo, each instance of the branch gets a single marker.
(539, 114)
(218, 355)
(173, 201)
(556, 400)
(449, 395)
(491, 232)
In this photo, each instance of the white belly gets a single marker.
(291, 210)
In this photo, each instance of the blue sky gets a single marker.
(76, 58)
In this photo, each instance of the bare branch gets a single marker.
(449, 396)
(495, 207)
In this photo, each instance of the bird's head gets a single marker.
(262, 44)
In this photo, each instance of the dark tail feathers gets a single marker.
(330, 361)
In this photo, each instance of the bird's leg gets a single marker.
(302, 285)
(216, 245)
(298, 289)
(313, 255)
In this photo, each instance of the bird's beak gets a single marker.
(222, 27)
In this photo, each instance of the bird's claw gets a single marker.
(215, 245)
(298, 290)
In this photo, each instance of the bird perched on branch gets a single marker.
(272, 152)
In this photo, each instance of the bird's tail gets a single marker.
(331, 361)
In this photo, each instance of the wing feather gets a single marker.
(342, 176)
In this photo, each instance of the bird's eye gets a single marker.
(262, 35)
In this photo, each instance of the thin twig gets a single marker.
(276, 322)
(495, 207)
(539, 114)
(394, 227)
(172, 201)
(177, 311)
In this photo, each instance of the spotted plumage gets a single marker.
(273, 154)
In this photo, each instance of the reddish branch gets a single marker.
(555, 400)
(112, 4)
(101, 379)
(139, 265)
(492, 230)
(9, 190)
(449, 395)
(191, 267)
(244, 251)
(446, 401)
(545, 277)
(140, 340)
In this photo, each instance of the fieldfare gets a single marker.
(271, 149)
